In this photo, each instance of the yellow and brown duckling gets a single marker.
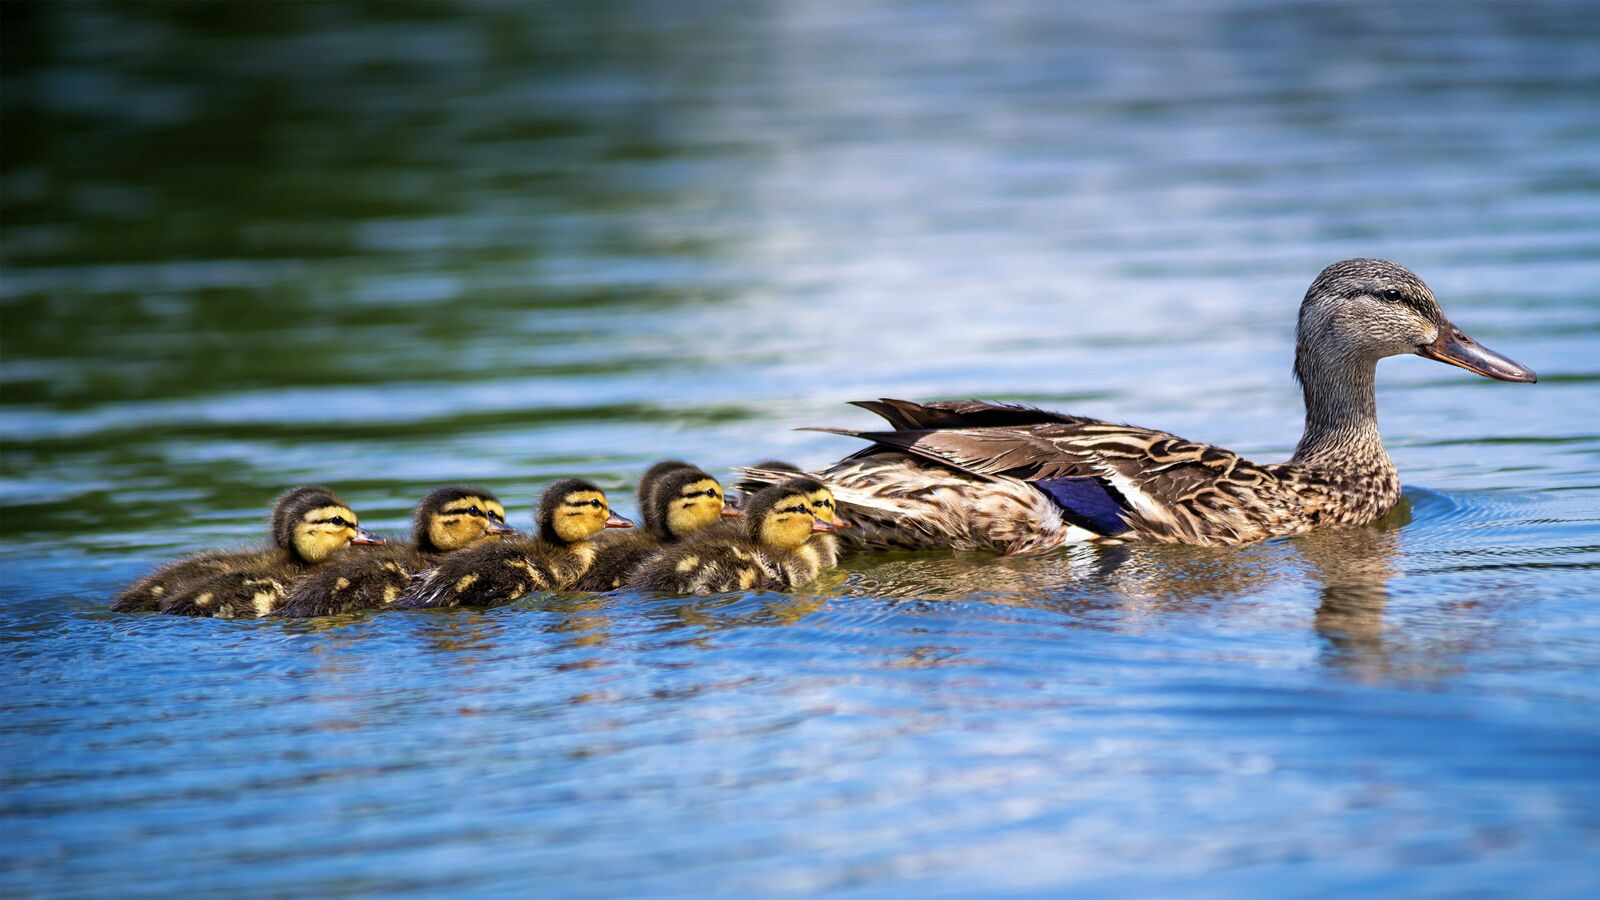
(676, 500)
(571, 512)
(153, 591)
(824, 547)
(310, 525)
(447, 520)
(778, 523)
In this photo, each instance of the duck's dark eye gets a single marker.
(1392, 295)
(340, 521)
(474, 511)
(496, 517)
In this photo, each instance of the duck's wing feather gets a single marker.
(908, 415)
(1108, 474)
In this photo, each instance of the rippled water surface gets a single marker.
(387, 247)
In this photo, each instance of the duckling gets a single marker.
(571, 513)
(824, 547)
(676, 500)
(651, 479)
(149, 593)
(309, 525)
(446, 520)
(778, 522)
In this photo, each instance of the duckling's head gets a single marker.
(650, 481)
(826, 508)
(313, 523)
(454, 517)
(1361, 310)
(748, 487)
(683, 502)
(782, 516)
(822, 502)
(573, 510)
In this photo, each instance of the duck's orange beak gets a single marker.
(820, 527)
(498, 529)
(616, 521)
(732, 512)
(1454, 347)
(366, 537)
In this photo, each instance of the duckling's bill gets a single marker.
(365, 537)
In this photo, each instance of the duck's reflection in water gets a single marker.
(1353, 567)
(1131, 586)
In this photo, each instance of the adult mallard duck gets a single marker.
(1013, 479)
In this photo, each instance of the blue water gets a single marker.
(388, 247)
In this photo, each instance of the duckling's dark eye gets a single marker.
(340, 521)
(1392, 295)
(496, 517)
(474, 511)
(596, 504)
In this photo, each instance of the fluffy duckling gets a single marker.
(676, 500)
(571, 513)
(651, 479)
(824, 547)
(151, 592)
(778, 522)
(447, 520)
(309, 525)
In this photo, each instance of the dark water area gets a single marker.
(391, 246)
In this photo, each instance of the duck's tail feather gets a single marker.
(908, 415)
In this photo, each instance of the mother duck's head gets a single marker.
(1361, 310)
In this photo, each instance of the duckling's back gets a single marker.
(371, 579)
(254, 587)
(617, 556)
(151, 592)
(710, 566)
(498, 572)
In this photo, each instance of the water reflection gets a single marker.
(1354, 567)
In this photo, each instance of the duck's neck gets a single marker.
(1341, 419)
